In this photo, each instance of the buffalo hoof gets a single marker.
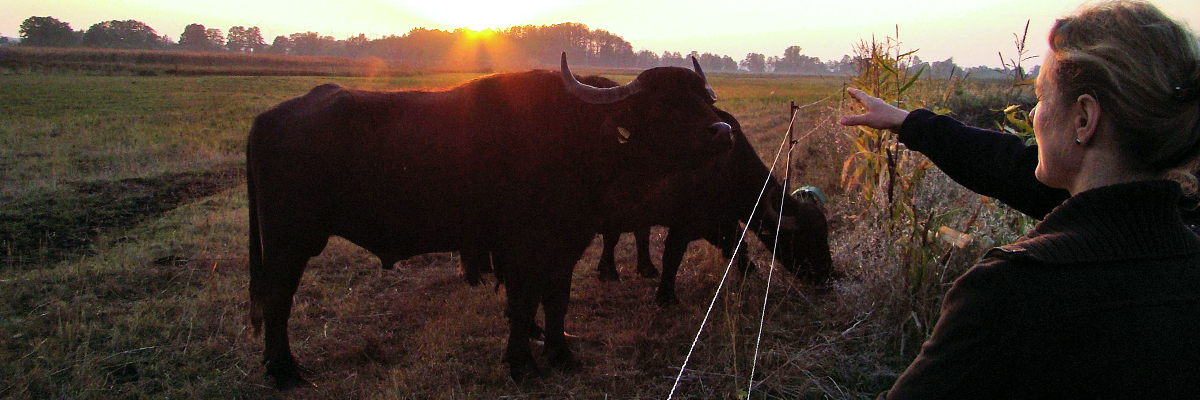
(290, 383)
(521, 372)
(565, 362)
(561, 358)
(666, 300)
(648, 272)
(286, 374)
(537, 333)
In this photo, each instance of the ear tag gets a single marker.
(624, 135)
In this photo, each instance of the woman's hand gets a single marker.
(879, 115)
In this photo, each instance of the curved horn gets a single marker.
(785, 223)
(594, 95)
(696, 65)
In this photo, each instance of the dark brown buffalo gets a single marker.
(708, 203)
(517, 163)
(705, 203)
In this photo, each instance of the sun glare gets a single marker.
(479, 15)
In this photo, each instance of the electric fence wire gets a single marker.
(732, 259)
(704, 322)
(771, 271)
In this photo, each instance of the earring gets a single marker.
(1077, 141)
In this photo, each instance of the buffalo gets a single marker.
(708, 203)
(705, 203)
(517, 163)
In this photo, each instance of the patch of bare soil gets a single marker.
(45, 228)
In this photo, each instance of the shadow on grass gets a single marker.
(53, 225)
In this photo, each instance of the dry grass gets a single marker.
(158, 309)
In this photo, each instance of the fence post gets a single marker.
(792, 108)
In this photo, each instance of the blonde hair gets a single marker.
(1144, 69)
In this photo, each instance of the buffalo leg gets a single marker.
(728, 239)
(673, 250)
(608, 264)
(475, 262)
(645, 266)
(743, 262)
(271, 295)
(499, 262)
(555, 300)
(522, 306)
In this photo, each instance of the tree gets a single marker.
(281, 45)
(255, 40)
(609, 49)
(844, 67)
(195, 37)
(245, 40)
(793, 62)
(713, 62)
(754, 62)
(727, 64)
(47, 31)
(672, 59)
(945, 69)
(356, 46)
(128, 34)
(645, 59)
(311, 44)
(216, 37)
(233, 40)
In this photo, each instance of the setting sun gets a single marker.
(480, 15)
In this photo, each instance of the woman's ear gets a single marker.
(1087, 118)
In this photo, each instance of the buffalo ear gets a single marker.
(810, 194)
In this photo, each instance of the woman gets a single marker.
(1102, 298)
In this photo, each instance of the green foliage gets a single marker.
(47, 31)
(883, 72)
(921, 231)
(1016, 120)
(245, 40)
(754, 62)
(127, 34)
(195, 37)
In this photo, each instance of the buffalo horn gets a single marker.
(594, 95)
(711, 93)
(785, 223)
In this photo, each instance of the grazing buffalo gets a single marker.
(705, 203)
(517, 163)
(708, 203)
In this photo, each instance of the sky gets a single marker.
(973, 32)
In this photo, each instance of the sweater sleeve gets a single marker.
(970, 354)
(994, 164)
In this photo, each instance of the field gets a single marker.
(123, 272)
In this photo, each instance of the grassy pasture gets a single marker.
(124, 273)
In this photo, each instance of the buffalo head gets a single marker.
(802, 242)
(665, 110)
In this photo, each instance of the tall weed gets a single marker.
(927, 229)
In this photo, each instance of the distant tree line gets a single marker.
(517, 46)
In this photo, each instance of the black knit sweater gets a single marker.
(1099, 300)
(994, 164)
